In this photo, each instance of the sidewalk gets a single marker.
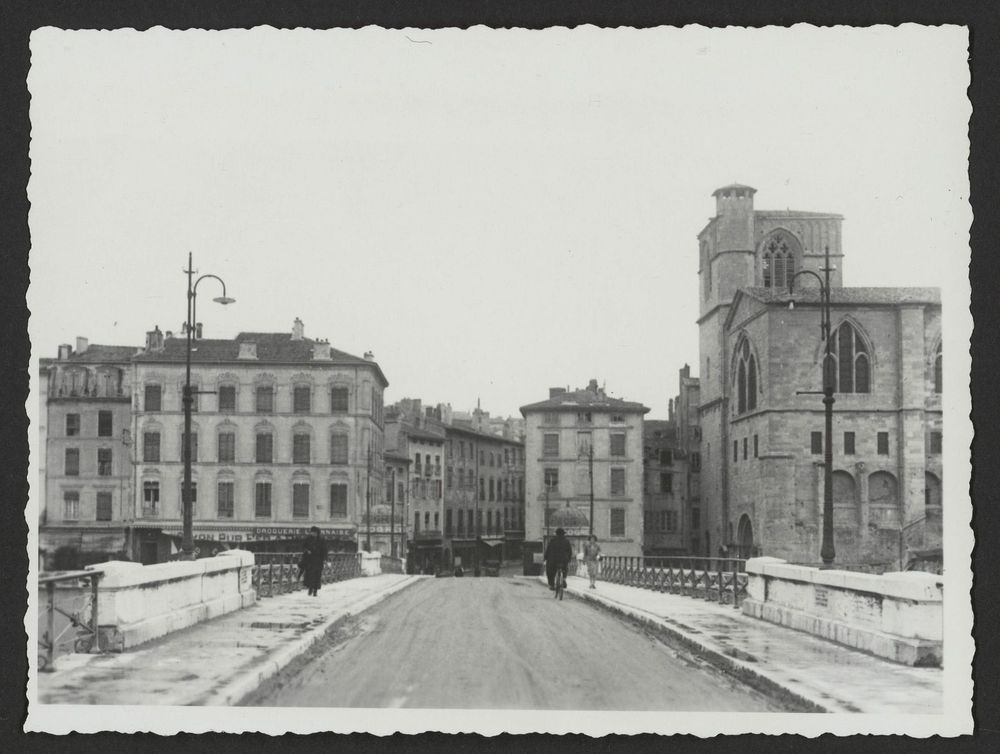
(807, 670)
(217, 662)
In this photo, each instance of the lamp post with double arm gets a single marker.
(187, 539)
(827, 549)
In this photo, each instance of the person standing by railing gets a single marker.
(311, 564)
(591, 555)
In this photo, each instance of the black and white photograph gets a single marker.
(571, 380)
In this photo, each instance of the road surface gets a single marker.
(499, 643)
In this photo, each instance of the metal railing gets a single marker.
(278, 572)
(723, 580)
(392, 565)
(70, 602)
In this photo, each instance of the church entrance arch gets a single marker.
(744, 537)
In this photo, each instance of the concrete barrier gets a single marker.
(371, 563)
(137, 603)
(893, 615)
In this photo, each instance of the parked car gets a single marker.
(491, 568)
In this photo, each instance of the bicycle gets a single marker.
(560, 583)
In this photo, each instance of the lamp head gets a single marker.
(224, 300)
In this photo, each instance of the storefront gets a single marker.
(157, 543)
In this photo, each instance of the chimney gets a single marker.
(65, 351)
(670, 409)
(686, 371)
(369, 356)
(321, 350)
(554, 391)
(154, 339)
(592, 386)
(81, 344)
(169, 334)
(248, 350)
(197, 330)
(297, 329)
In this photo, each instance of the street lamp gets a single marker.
(826, 550)
(128, 513)
(187, 540)
(589, 455)
(368, 501)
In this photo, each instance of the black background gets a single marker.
(18, 18)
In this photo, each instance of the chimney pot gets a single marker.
(197, 330)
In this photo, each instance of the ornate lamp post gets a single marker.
(187, 540)
(827, 550)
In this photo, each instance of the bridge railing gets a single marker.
(278, 572)
(723, 580)
(70, 602)
(392, 565)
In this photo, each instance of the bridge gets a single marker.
(655, 634)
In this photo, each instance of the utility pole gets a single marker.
(392, 513)
(590, 457)
(368, 501)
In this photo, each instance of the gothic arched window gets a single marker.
(850, 365)
(937, 370)
(746, 378)
(778, 263)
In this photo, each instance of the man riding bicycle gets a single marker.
(557, 555)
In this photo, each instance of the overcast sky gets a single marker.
(489, 212)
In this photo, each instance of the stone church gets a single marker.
(762, 419)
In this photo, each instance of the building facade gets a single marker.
(85, 447)
(287, 433)
(484, 496)
(665, 525)
(760, 414)
(583, 445)
(685, 410)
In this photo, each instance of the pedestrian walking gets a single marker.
(313, 558)
(591, 555)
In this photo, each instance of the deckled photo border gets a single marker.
(958, 546)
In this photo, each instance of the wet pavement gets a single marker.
(828, 675)
(218, 661)
(501, 643)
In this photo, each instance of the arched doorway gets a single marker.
(744, 537)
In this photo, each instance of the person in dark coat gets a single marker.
(557, 555)
(311, 564)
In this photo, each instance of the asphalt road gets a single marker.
(499, 643)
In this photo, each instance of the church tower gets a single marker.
(727, 263)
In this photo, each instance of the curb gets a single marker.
(741, 670)
(244, 684)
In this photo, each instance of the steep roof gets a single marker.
(96, 354)
(872, 296)
(576, 399)
(469, 432)
(272, 348)
(853, 296)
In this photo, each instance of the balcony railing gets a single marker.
(723, 580)
(278, 572)
(427, 534)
